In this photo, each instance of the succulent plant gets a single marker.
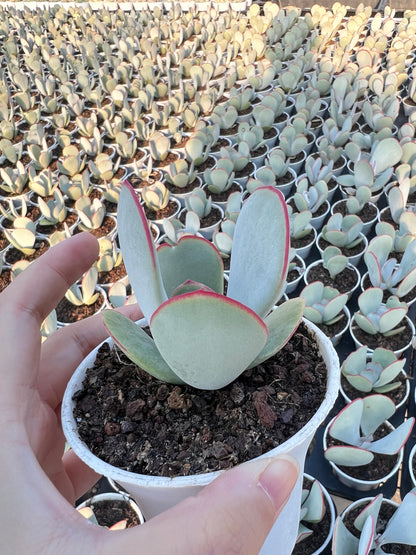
(343, 231)
(72, 161)
(310, 197)
(155, 196)
(77, 186)
(323, 304)
(374, 316)
(180, 173)
(14, 179)
(390, 274)
(91, 212)
(375, 372)
(355, 426)
(84, 293)
(334, 261)
(199, 203)
(291, 141)
(398, 530)
(23, 235)
(53, 211)
(102, 167)
(312, 509)
(109, 255)
(374, 171)
(200, 302)
(220, 178)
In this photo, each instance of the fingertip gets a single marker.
(278, 479)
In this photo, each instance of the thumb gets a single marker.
(233, 514)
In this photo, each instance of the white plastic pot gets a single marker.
(155, 494)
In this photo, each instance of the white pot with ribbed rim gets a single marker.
(157, 494)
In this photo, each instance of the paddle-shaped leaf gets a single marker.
(260, 253)
(139, 252)
(215, 342)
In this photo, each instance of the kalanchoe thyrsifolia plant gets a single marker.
(388, 273)
(155, 196)
(220, 178)
(200, 336)
(199, 203)
(374, 316)
(312, 509)
(174, 229)
(334, 261)
(355, 427)
(375, 372)
(323, 304)
(310, 197)
(343, 231)
(180, 173)
(91, 212)
(376, 169)
(86, 292)
(398, 530)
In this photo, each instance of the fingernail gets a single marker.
(278, 478)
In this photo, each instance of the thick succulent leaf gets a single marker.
(313, 315)
(365, 323)
(407, 283)
(367, 536)
(139, 253)
(376, 409)
(363, 173)
(386, 155)
(372, 509)
(138, 346)
(348, 455)
(346, 425)
(374, 268)
(262, 230)
(315, 503)
(392, 318)
(215, 342)
(390, 372)
(393, 442)
(281, 324)
(360, 382)
(343, 542)
(370, 300)
(335, 306)
(400, 528)
(303, 533)
(193, 258)
(355, 362)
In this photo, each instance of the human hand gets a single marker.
(39, 483)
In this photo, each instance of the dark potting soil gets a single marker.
(68, 313)
(223, 197)
(303, 241)
(357, 249)
(135, 422)
(379, 467)
(110, 512)
(345, 281)
(167, 212)
(5, 279)
(386, 512)
(117, 273)
(392, 342)
(320, 530)
(396, 395)
(367, 214)
(105, 229)
(335, 328)
(12, 255)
